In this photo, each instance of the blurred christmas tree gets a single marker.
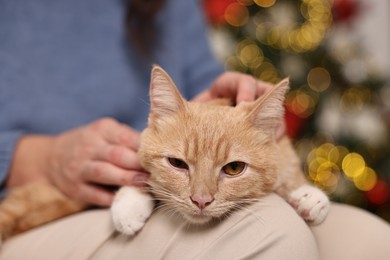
(339, 105)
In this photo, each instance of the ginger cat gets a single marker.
(208, 159)
(205, 160)
(32, 205)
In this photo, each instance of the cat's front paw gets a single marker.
(130, 210)
(311, 204)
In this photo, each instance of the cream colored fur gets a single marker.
(130, 209)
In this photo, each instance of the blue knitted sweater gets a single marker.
(66, 63)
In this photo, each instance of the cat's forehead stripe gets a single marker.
(206, 144)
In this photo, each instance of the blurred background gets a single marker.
(337, 55)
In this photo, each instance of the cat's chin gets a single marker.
(197, 219)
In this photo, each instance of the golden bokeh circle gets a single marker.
(318, 79)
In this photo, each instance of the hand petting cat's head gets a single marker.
(207, 160)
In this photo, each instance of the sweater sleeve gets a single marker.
(8, 141)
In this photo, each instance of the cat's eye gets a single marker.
(177, 163)
(234, 168)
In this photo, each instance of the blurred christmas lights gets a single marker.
(331, 78)
(325, 163)
(236, 14)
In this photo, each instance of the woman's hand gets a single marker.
(81, 161)
(238, 87)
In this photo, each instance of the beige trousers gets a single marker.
(269, 229)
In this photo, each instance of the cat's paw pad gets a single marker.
(130, 210)
(310, 203)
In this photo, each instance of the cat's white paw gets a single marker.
(311, 204)
(130, 209)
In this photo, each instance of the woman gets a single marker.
(73, 99)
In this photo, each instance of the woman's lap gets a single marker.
(269, 229)
(351, 233)
(261, 231)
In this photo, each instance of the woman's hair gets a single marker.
(140, 23)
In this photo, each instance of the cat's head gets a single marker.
(205, 159)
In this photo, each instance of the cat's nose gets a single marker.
(202, 201)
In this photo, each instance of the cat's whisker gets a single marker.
(172, 205)
(167, 210)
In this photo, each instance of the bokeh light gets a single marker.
(355, 98)
(250, 54)
(380, 193)
(366, 180)
(296, 36)
(236, 14)
(324, 167)
(318, 79)
(301, 103)
(326, 162)
(353, 164)
(265, 3)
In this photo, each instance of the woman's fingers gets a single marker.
(237, 86)
(262, 87)
(120, 156)
(116, 133)
(108, 174)
(203, 96)
(246, 89)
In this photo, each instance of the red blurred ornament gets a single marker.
(294, 123)
(380, 194)
(215, 10)
(345, 10)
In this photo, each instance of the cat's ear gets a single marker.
(268, 111)
(165, 99)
